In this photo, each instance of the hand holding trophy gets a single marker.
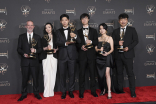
(49, 51)
(88, 45)
(32, 54)
(121, 47)
(72, 34)
(102, 48)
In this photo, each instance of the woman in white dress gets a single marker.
(49, 60)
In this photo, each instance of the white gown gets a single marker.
(49, 73)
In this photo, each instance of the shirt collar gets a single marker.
(86, 27)
(28, 33)
(65, 28)
(124, 27)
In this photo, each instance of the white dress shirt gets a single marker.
(121, 30)
(31, 38)
(28, 36)
(66, 35)
(86, 32)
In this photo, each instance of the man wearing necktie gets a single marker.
(124, 58)
(67, 55)
(29, 65)
(87, 56)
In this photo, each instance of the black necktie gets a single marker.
(29, 38)
(85, 28)
(123, 31)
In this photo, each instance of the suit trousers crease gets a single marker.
(26, 71)
(122, 62)
(83, 66)
(67, 65)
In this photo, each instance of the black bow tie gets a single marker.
(85, 28)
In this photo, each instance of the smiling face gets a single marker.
(102, 30)
(30, 26)
(85, 20)
(48, 28)
(123, 22)
(64, 21)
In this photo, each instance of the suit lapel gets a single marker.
(118, 34)
(126, 33)
(69, 37)
(89, 34)
(82, 36)
(26, 39)
(62, 32)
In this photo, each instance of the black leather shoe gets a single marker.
(21, 98)
(133, 95)
(38, 96)
(102, 93)
(81, 96)
(94, 94)
(63, 95)
(71, 94)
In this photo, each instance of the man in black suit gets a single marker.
(124, 58)
(29, 65)
(67, 54)
(87, 56)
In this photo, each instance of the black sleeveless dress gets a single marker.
(102, 62)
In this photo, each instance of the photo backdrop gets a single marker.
(15, 13)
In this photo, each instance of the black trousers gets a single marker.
(83, 66)
(122, 62)
(63, 66)
(26, 71)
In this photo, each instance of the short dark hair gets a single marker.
(104, 26)
(123, 15)
(44, 31)
(64, 15)
(84, 15)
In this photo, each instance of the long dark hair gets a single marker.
(44, 31)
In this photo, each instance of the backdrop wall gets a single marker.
(15, 13)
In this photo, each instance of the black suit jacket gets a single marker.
(130, 41)
(90, 53)
(43, 54)
(66, 51)
(24, 47)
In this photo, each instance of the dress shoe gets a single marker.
(38, 96)
(109, 97)
(102, 93)
(22, 97)
(71, 94)
(81, 96)
(94, 94)
(63, 95)
(133, 95)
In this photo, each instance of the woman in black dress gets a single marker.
(104, 60)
